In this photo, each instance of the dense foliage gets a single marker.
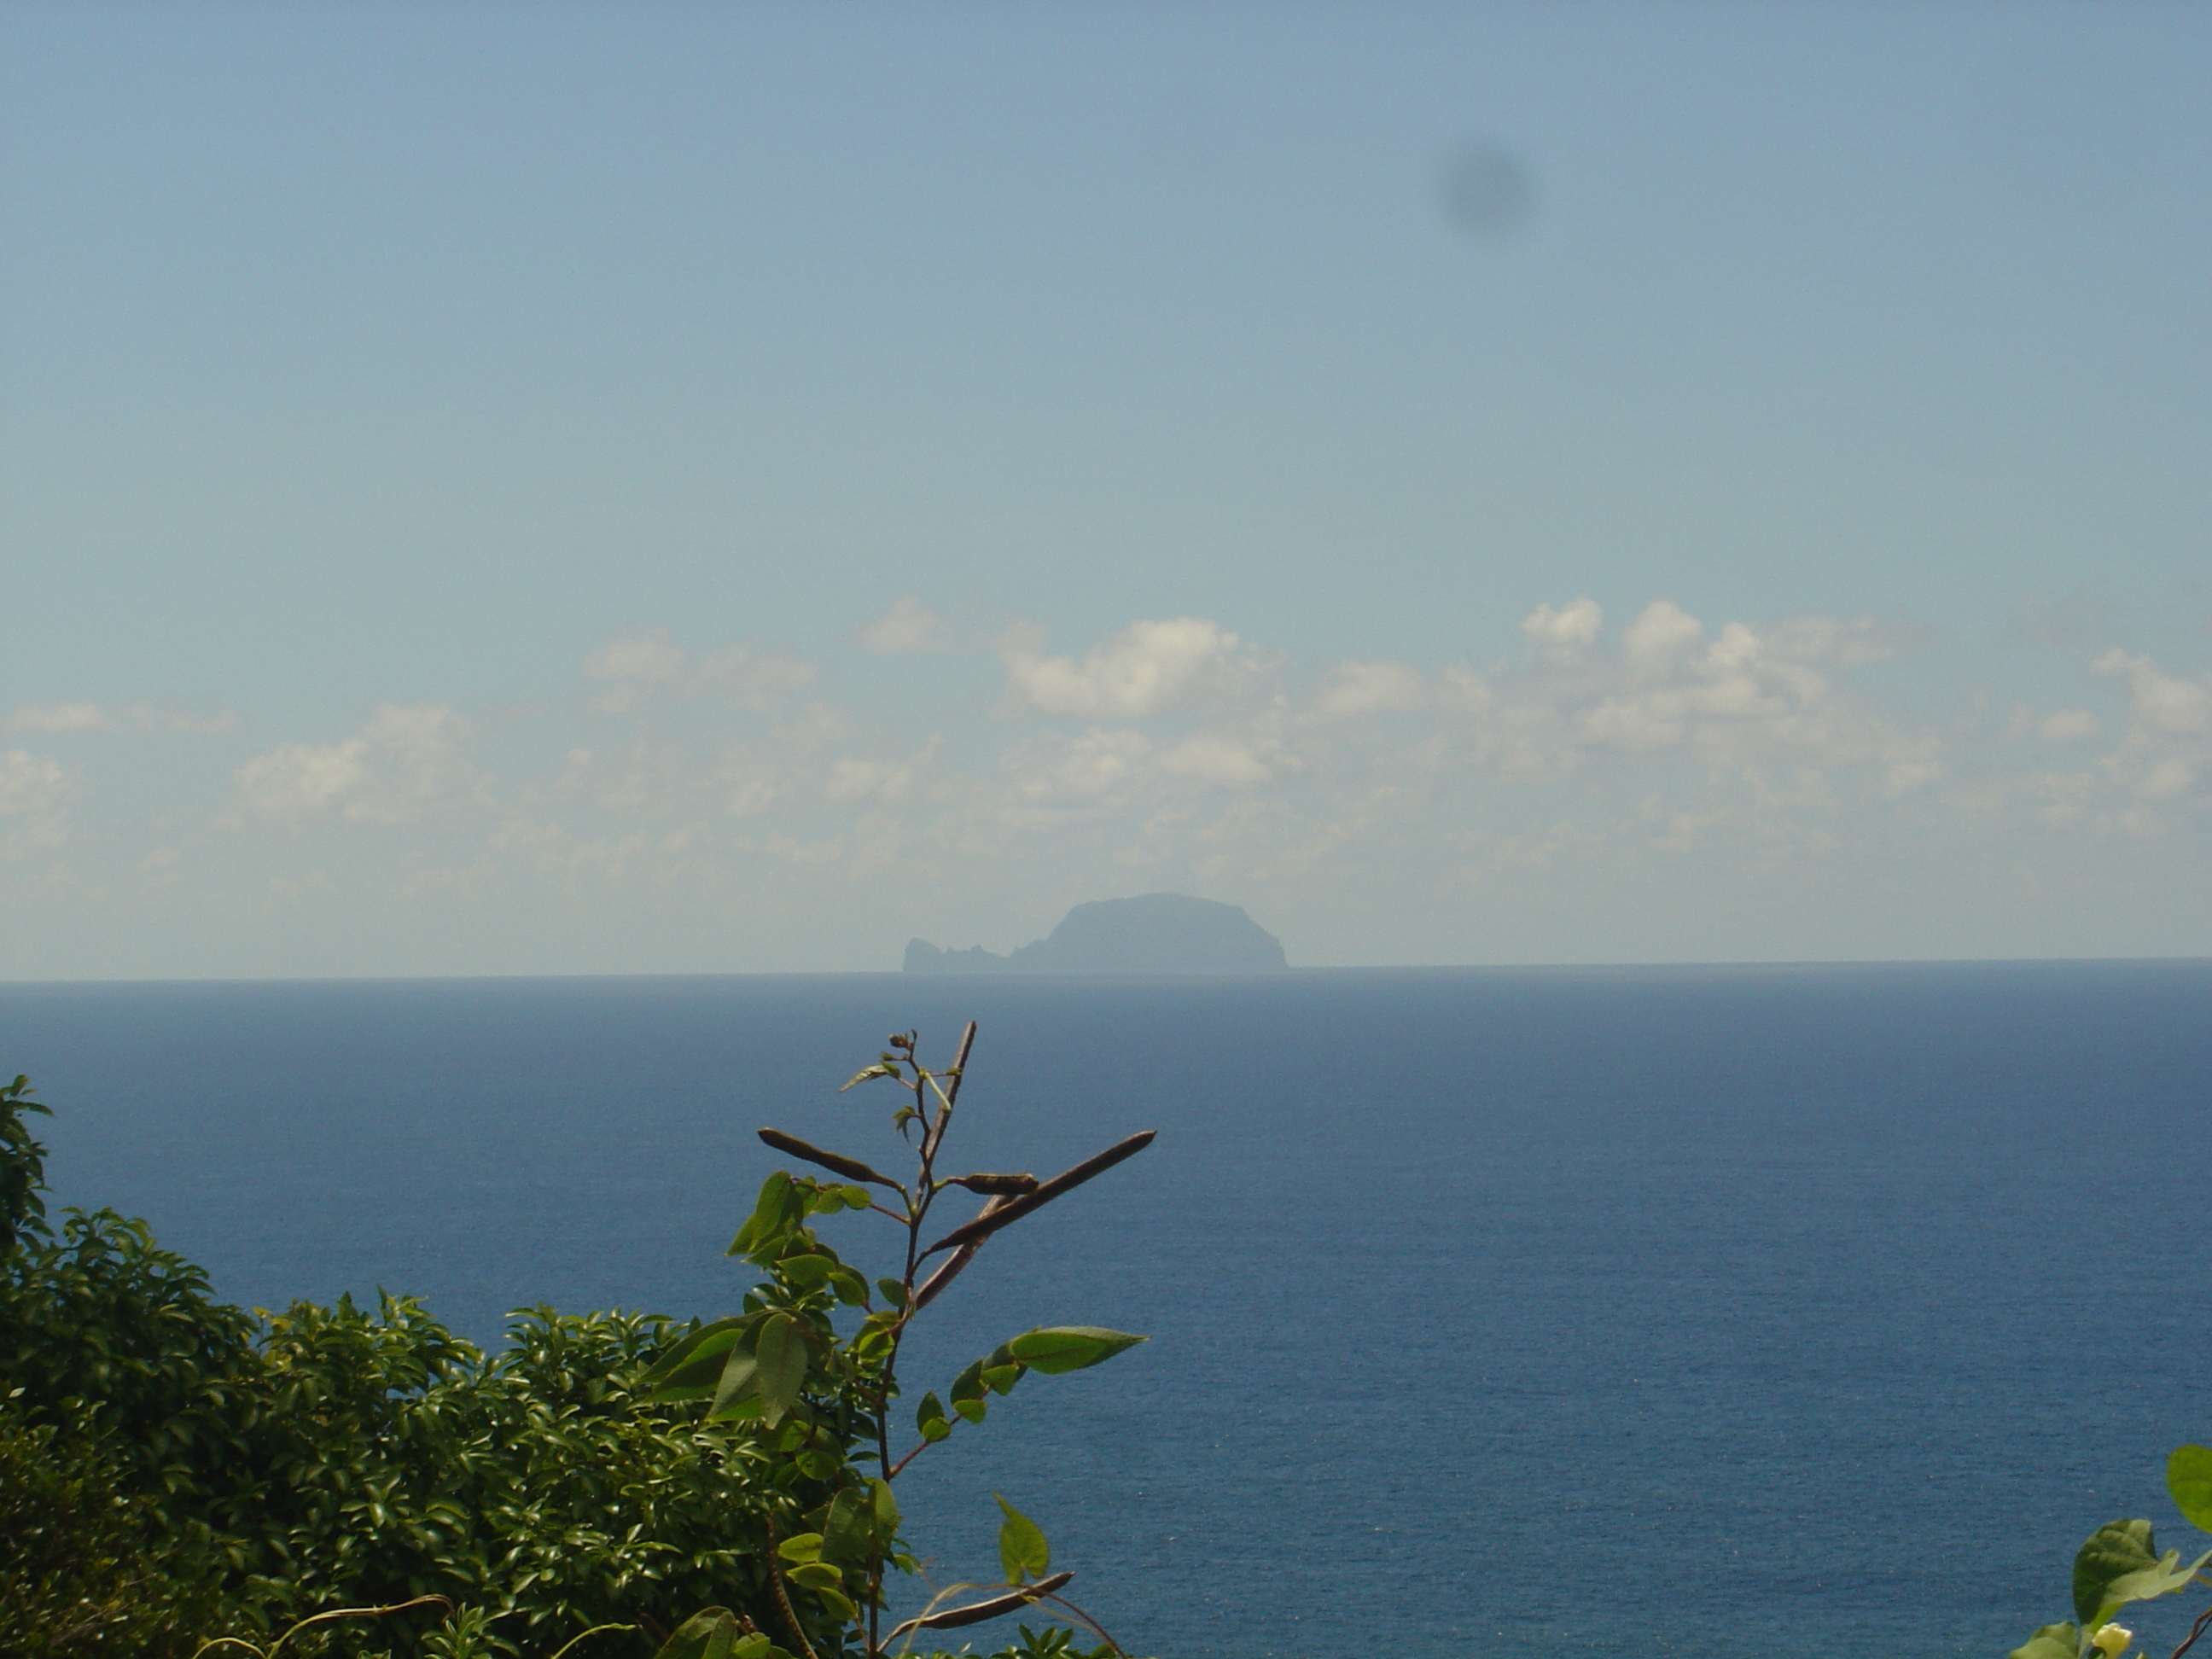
(173, 1467)
(338, 1456)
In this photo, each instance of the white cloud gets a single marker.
(753, 678)
(404, 760)
(31, 783)
(76, 717)
(1087, 771)
(637, 653)
(1223, 761)
(295, 778)
(1148, 667)
(53, 717)
(2068, 725)
(1662, 633)
(909, 626)
(632, 665)
(2166, 778)
(1373, 688)
(1563, 633)
(2163, 701)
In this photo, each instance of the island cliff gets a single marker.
(1158, 933)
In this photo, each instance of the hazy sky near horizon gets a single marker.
(653, 488)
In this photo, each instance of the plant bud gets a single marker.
(2111, 1640)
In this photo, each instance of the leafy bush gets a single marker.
(175, 1466)
(336, 1457)
(78, 1572)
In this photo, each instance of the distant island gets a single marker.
(1158, 933)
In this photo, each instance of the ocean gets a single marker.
(1748, 1312)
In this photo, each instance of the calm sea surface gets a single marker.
(1748, 1313)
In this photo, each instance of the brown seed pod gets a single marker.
(851, 1168)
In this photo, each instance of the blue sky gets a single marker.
(668, 488)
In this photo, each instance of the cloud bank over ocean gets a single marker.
(1654, 784)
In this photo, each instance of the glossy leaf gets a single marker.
(809, 1272)
(801, 1546)
(688, 1370)
(883, 1511)
(776, 1212)
(967, 1395)
(780, 1351)
(710, 1633)
(816, 1575)
(1022, 1548)
(2120, 1563)
(1061, 1348)
(838, 1602)
(2188, 1479)
(740, 1376)
(2051, 1642)
(930, 1415)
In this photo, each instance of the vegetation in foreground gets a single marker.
(342, 1480)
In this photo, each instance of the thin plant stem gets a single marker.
(1063, 1602)
(2204, 1620)
(775, 1584)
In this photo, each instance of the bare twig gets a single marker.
(1062, 1600)
(2204, 1620)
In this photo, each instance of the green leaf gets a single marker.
(1069, 1347)
(779, 1208)
(892, 1291)
(801, 1546)
(816, 1575)
(809, 1272)
(756, 1646)
(2188, 1479)
(1022, 1549)
(883, 1511)
(838, 1602)
(693, 1364)
(740, 1377)
(2120, 1563)
(866, 1071)
(856, 1198)
(931, 1411)
(851, 1289)
(2051, 1642)
(710, 1633)
(968, 1392)
(779, 1352)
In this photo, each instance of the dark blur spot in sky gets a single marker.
(1486, 190)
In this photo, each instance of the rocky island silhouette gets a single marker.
(1157, 934)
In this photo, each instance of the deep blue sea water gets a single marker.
(1753, 1313)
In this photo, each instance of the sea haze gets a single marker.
(1751, 1313)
